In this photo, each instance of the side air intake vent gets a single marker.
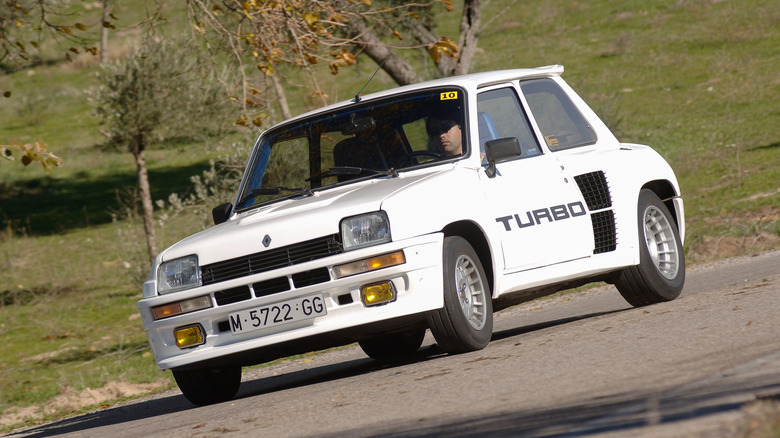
(604, 231)
(595, 190)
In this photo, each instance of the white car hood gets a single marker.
(288, 221)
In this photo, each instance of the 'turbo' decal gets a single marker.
(551, 214)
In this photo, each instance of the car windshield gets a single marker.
(363, 140)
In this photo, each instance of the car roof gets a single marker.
(469, 81)
(473, 80)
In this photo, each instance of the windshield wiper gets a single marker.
(347, 170)
(274, 191)
(279, 189)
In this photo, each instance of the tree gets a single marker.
(470, 22)
(158, 92)
(304, 33)
(458, 56)
(24, 25)
(106, 25)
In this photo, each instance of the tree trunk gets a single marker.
(401, 71)
(467, 42)
(286, 114)
(424, 35)
(139, 152)
(104, 34)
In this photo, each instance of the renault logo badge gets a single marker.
(266, 240)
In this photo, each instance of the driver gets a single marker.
(444, 134)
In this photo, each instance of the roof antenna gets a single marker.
(357, 96)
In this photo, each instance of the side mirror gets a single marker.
(500, 150)
(221, 213)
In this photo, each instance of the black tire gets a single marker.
(465, 323)
(660, 274)
(393, 345)
(207, 386)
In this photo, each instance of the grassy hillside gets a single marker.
(697, 80)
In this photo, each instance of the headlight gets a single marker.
(365, 230)
(178, 274)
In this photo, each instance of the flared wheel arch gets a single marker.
(474, 235)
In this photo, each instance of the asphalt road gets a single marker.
(584, 364)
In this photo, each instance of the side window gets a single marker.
(500, 116)
(561, 123)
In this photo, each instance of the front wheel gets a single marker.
(465, 323)
(205, 386)
(660, 274)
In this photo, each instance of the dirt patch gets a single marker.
(760, 419)
(758, 196)
(761, 235)
(71, 400)
(711, 248)
(48, 356)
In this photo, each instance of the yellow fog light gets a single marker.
(371, 264)
(378, 293)
(189, 336)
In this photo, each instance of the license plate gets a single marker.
(276, 314)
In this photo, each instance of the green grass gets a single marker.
(696, 80)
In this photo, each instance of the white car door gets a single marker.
(539, 212)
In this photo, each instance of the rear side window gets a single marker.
(561, 123)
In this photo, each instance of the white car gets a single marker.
(427, 206)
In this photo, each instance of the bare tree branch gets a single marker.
(401, 71)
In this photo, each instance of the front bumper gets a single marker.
(418, 284)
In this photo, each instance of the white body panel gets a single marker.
(532, 217)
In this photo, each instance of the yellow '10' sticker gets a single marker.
(449, 95)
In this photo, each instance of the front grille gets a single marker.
(272, 259)
(604, 231)
(595, 190)
(308, 278)
(233, 295)
(272, 286)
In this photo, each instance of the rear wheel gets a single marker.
(465, 323)
(660, 274)
(205, 386)
(394, 345)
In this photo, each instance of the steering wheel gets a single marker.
(407, 159)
